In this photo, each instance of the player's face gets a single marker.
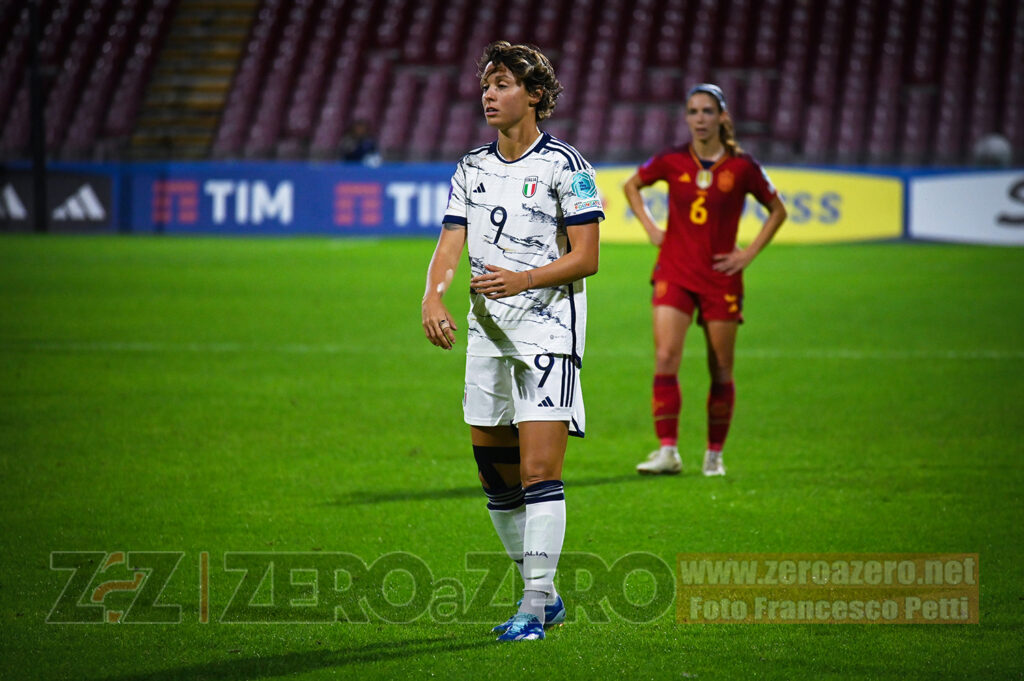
(506, 101)
(703, 117)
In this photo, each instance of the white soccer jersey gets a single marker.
(516, 213)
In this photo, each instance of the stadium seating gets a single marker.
(1013, 104)
(88, 115)
(127, 96)
(821, 81)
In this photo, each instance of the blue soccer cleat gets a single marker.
(553, 614)
(524, 627)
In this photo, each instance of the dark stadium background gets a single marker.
(826, 81)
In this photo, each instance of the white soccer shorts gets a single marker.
(503, 391)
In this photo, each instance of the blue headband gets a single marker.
(709, 89)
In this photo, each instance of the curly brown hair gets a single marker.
(529, 66)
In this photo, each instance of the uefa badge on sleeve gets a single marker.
(530, 186)
(583, 185)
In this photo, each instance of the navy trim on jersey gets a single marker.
(576, 161)
(568, 387)
(580, 161)
(544, 139)
(482, 149)
(455, 219)
(493, 148)
(584, 218)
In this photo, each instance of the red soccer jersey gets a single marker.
(704, 209)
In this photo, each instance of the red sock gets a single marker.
(721, 399)
(665, 407)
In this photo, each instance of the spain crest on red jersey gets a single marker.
(726, 181)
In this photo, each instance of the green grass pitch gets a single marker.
(233, 398)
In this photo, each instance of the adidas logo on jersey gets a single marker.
(546, 402)
(82, 205)
(480, 189)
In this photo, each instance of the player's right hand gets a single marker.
(657, 236)
(438, 325)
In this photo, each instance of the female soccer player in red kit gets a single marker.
(699, 266)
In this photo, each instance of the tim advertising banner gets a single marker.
(824, 206)
(980, 207)
(334, 199)
(289, 198)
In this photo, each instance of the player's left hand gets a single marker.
(732, 263)
(499, 283)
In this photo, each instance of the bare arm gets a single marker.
(438, 325)
(731, 263)
(581, 261)
(636, 202)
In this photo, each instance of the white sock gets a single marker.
(533, 603)
(542, 544)
(510, 526)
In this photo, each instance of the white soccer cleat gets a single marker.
(663, 461)
(713, 463)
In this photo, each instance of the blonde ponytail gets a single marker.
(728, 136)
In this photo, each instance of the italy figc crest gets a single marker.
(530, 186)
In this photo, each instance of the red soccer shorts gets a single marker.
(718, 306)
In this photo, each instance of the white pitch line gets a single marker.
(142, 347)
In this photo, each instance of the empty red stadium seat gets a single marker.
(917, 125)
(622, 132)
(735, 39)
(87, 118)
(817, 135)
(458, 136)
(655, 131)
(1013, 87)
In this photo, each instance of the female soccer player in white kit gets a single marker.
(527, 206)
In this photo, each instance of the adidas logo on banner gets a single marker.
(480, 189)
(546, 402)
(11, 207)
(82, 205)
